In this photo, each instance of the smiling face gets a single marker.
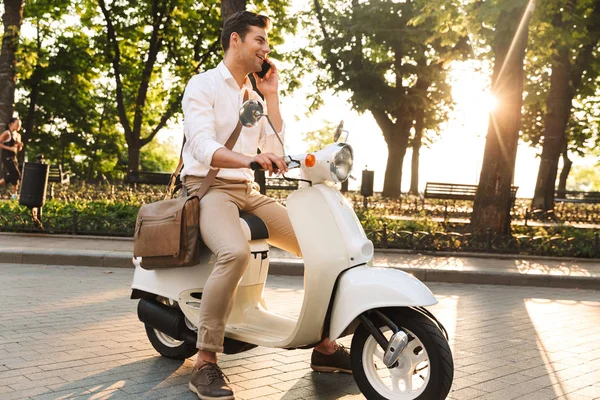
(252, 49)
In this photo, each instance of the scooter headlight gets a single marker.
(342, 163)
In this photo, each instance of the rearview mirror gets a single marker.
(250, 113)
(338, 131)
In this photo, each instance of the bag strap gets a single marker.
(212, 173)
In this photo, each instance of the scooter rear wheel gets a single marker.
(424, 371)
(167, 346)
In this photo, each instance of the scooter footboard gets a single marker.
(364, 288)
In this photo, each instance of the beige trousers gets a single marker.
(222, 233)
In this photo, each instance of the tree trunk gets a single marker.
(12, 19)
(557, 116)
(416, 148)
(133, 159)
(228, 7)
(29, 123)
(564, 174)
(392, 182)
(567, 75)
(396, 136)
(492, 204)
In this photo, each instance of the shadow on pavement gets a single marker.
(505, 347)
(322, 386)
(154, 378)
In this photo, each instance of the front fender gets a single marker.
(364, 288)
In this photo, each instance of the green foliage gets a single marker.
(63, 97)
(558, 25)
(584, 178)
(112, 210)
(93, 217)
(320, 138)
(160, 156)
(371, 221)
(379, 63)
(149, 50)
(69, 89)
(391, 58)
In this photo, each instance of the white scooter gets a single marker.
(399, 349)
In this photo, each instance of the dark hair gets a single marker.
(13, 119)
(241, 22)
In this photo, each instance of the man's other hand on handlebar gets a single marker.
(271, 162)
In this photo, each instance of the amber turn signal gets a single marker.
(310, 160)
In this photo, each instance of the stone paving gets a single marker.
(493, 269)
(72, 332)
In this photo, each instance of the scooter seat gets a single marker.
(257, 227)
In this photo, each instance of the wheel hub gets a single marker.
(397, 382)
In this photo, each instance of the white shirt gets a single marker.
(211, 105)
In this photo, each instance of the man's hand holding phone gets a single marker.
(265, 68)
(267, 80)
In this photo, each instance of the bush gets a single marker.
(112, 210)
(100, 217)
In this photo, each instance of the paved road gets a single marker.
(434, 267)
(72, 332)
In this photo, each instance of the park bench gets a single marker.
(574, 196)
(162, 178)
(150, 178)
(456, 191)
(56, 175)
(280, 184)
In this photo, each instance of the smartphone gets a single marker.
(265, 68)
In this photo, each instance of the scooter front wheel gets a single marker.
(424, 371)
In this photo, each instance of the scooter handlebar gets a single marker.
(254, 166)
(289, 161)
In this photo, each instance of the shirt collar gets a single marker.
(226, 74)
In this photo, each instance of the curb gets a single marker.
(66, 236)
(292, 267)
(110, 259)
(497, 256)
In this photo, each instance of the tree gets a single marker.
(165, 36)
(434, 109)
(393, 68)
(174, 40)
(229, 7)
(572, 32)
(63, 101)
(11, 21)
(491, 209)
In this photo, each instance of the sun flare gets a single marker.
(489, 102)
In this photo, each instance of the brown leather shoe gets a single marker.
(208, 383)
(336, 362)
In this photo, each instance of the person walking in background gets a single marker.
(11, 144)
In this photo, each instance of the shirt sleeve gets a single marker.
(199, 119)
(268, 141)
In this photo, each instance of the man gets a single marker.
(211, 106)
